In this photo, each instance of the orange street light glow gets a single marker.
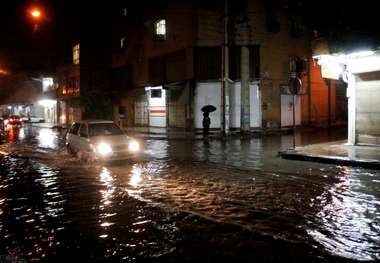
(36, 13)
(4, 72)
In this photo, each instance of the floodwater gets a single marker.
(183, 200)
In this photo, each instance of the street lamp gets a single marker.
(35, 13)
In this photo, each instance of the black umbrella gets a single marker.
(208, 108)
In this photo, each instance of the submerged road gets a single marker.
(183, 200)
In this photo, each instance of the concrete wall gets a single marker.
(207, 93)
(199, 25)
(367, 108)
(276, 48)
(178, 102)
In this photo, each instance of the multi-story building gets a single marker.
(84, 76)
(68, 77)
(20, 95)
(167, 64)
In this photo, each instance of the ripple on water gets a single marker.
(117, 210)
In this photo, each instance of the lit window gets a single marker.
(76, 54)
(47, 84)
(125, 12)
(123, 42)
(160, 26)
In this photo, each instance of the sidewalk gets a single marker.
(337, 152)
(178, 133)
(166, 133)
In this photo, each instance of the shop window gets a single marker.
(155, 93)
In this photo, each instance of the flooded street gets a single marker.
(184, 200)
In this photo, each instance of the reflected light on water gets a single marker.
(46, 138)
(345, 226)
(106, 201)
(11, 135)
(105, 176)
(136, 176)
(21, 134)
(107, 180)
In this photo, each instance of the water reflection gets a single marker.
(152, 207)
(32, 207)
(47, 138)
(347, 224)
(105, 206)
(136, 176)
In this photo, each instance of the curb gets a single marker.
(370, 164)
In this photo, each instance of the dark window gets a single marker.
(156, 70)
(155, 93)
(238, 8)
(175, 66)
(235, 63)
(75, 128)
(83, 131)
(272, 22)
(207, 63)
(254, 62)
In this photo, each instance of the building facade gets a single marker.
(169, 62)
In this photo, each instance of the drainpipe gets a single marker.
(244, 95)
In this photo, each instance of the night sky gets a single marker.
(22, 48)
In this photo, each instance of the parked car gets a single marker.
(13, 121)
(100, 140)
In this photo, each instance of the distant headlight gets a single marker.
(134, 146)
(104, 149)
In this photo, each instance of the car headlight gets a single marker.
(134, 146)
(104, 149)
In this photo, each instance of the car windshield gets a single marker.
(103, 129)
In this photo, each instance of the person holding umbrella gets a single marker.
(206, 118)
(206, 123)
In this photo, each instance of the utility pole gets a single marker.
(245, 92)
(225, 76)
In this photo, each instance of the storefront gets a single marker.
(361, 70)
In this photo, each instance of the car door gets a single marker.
(84, 142)
(73, 138)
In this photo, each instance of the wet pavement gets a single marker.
(183, 200)
(337, 152)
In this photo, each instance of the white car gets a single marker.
(100, 140)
